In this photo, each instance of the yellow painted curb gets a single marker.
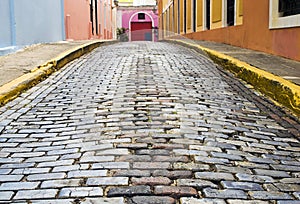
(281, 90)
(15, 87)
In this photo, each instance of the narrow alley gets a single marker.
(146, 122)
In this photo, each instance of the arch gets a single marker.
(131, 17)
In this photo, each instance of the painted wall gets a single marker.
(255, 34)
(106, 19)
(35, 21)
(5, 22)
(131, 15)
(77, 19)
(251, 28)
(38, 21)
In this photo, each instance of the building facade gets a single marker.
(25, 22)
(88, 19)
(271, 26)
(139, 18)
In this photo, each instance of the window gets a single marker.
(289, 7)
(96, 16)
(284, 14)
(184, 16)
(207, 12)
(141, 16)
(92, 15)
(230, 12)
(194, 15)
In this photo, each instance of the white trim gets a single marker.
(224, 13)
(167, 7)
(131, 17)
(275, 21)
(235, 12)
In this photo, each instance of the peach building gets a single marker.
(271, 26)
(89, 19)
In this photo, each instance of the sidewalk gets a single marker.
(285, 68)
(23, 69)
(274, 76)
(21, 62)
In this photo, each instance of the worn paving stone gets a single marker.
(214, 176)
(151, 200)
(272, 173)
(18, 185)
(80, 192)
(288, 187)
(56, 201)
(287, 201)
(86, 173)
(6, 195)
(241, 185)
(173, 174)
(190, 200)
(196, 183)
(133, 173)
(151, 181)
(48, 176)
(35, 194)
(60, 183)
(191, 166)
(214, 193)
(129, 191)
(263, 195)
(247, 201)
(106, 181)
(151, 165)
(119, 200)
(254, 178)
(175, 191)
(146, 123)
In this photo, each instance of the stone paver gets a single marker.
(146, 122)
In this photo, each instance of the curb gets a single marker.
(15, 87)
(280, 90)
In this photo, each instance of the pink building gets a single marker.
(141, 22)
(88, 19)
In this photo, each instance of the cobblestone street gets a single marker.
(145, 122)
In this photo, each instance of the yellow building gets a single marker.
(271, 26)
(125, 2)
(187, 16)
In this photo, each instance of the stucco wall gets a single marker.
(132, 14)
(5, 31)
(255, 34)
(36, 21)
(77, 18)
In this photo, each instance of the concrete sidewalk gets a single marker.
(274, 76)
(21, 62)
(23, 69)
(285, 68)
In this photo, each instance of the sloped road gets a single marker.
(144, 123)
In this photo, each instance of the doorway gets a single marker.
(141, 31)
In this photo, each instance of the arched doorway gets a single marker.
(141, 24)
